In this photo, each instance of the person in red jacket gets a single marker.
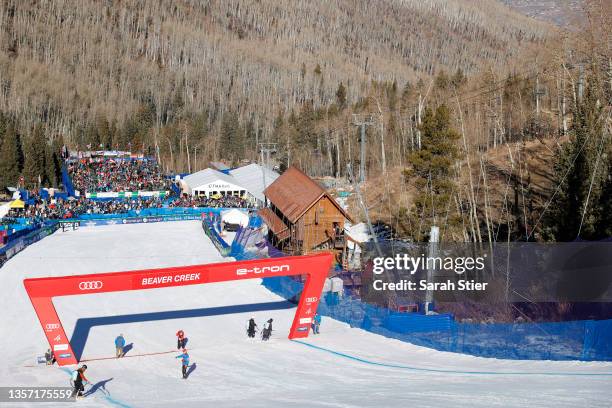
(79, 380)
(181, 339)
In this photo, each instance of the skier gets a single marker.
(181, 340)
(185, 362)
(119, 344)
(316, 323)
(78, 381)
(252, 327)
(267, 330)
(49, 357)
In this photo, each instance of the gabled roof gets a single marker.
(276, 225)
(293, 193)
(252, 176)
(207, 176)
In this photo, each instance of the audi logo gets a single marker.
(90, 285)
(52, 326)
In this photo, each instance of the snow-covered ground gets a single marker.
(230, 369)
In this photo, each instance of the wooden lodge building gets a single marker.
(303, 218)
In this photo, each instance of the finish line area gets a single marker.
(214, 316)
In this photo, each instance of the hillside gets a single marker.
(564, 13)
(68, 63)
(514, 188)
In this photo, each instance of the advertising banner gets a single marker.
(126, 194)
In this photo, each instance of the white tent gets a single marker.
(235, 216)
(210, 182)
(256, 178)
(4, 209)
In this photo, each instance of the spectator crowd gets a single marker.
(201, 201)
(61, 209)
(56, 209)
(113, 175)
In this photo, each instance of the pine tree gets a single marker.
(605, 203)
(570, 215)
(3, 126)
(53, 164)
(250, 133)
(341, 96)
(104, 133)
(11, 158)
(305, 127)
(232, 140)
(35, 157)
(432, 172)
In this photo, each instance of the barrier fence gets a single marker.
(16, 245)
(26, 232)
(210, 225)
(589, 340)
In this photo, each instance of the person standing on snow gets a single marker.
(316, 323)
(181, 340)
(79, 380)
(49, 357)
(184, 362)
(252, 327)
(267, 330)
(119, 344)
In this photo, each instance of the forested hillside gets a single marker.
(459, 98)
(74, 64)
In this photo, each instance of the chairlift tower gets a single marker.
(265, 149)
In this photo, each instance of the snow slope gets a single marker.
(350, 367)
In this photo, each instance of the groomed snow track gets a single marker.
(343, 367)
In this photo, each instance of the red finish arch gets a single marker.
(42, 290)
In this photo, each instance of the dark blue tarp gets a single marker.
(67, 181)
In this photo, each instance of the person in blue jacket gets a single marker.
(316, 323)
(119, 344)
(185, 362)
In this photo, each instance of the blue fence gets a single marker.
(211, 227)
(156, 212)
(130, 220)
(129, 217)
(589, 340)
(19, 242)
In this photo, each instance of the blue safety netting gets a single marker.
(157, 212)
(212, 228)
(574, 340)
(249, 243)
(67, 181)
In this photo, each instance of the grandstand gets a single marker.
(101, 175)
